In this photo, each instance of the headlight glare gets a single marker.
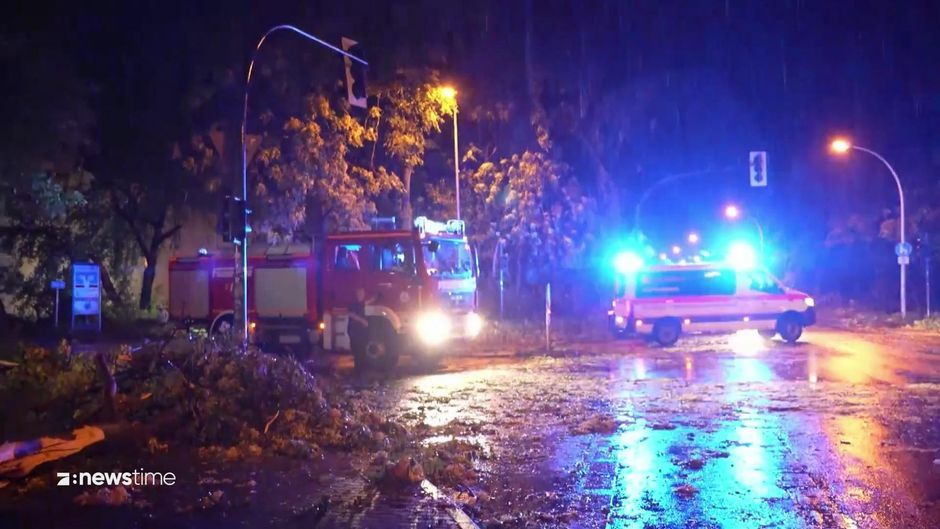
(433, 328)
(474, 324)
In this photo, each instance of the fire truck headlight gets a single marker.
(810, 302)
(433, 328)
(474, 324)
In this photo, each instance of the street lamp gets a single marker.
(449, 94)
(733, 212)
(842, 146)
(241, 265)
(693, 238)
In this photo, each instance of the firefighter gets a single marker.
(358, 324)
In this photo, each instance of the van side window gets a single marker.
(712, 282)
(762, 282)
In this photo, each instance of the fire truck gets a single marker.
(420, 288)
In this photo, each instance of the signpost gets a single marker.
(86, 297)
(57, 285)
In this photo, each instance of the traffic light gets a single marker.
(224, 224)
(233, 220)
(758, 168)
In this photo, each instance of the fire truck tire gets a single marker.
(666, 331)
(380, 350)
(790, 327)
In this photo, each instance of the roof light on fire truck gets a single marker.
(474, 324)
(810, 302)
(203, 252)
(433, 327)
(627, 262)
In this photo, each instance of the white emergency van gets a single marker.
(665, 301)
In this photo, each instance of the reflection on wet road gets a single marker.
(725, 432)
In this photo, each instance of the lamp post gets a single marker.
(241, 265)
(842, 146)
(733, 212)
(449, 94)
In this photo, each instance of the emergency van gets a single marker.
(665, 301)
(421, 286)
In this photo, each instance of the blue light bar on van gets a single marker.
(741, 256)
(627, 262)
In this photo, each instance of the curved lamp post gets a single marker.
(241, 265)
(842, 146)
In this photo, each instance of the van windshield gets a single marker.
(695, 282)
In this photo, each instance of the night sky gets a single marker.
(642, 89)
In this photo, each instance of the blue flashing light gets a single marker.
(627, 262)
(741, 256)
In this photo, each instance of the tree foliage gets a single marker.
(310, 172)
(530, 202)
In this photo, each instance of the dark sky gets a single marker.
(665, 86)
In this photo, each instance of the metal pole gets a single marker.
(241, 265)
(760, 232)
(548, 317)
(56, 319)
(903, 240)
(456, 165)
(927, 269)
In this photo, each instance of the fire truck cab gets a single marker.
(420, 287)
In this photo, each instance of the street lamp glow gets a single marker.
(693, 238)
(732, 211)
(448, 92)
(840, 145)
(676, 250)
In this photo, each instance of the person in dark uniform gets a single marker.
(358, 326)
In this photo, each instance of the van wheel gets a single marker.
(790, 327)
(380, 350)
(666, 332)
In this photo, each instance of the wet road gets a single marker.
(841, 430)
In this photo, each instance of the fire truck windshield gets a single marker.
(452, 259)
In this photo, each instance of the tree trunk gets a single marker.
(146, 285)
(406, 200)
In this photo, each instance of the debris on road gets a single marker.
(106, 496)
(18, 459)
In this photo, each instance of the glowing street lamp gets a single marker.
(449, 93)
(693, 238)
(732, 212)
(842, 146)
(676, 250)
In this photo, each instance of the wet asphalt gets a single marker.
(841, 430)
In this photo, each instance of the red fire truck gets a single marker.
(421, 289)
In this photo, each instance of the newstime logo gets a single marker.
(136, 478)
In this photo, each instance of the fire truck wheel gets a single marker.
(380, 352)
(768, 333)
(666, 332)
(790, 327)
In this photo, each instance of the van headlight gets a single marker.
(474, 324)
(810, 302)
(433, 327)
